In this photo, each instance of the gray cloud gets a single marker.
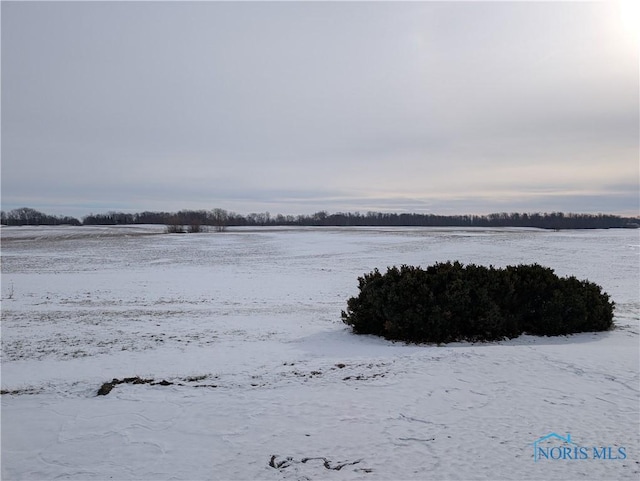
(297, 107)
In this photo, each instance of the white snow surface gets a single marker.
(268, 383)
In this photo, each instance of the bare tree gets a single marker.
(220, 218)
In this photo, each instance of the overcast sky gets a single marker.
(295, 107)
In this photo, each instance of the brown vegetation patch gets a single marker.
(108, 386)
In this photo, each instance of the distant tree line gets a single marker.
(223, 218)
(220, 219)
(28, 216)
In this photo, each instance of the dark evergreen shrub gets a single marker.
(449, 302)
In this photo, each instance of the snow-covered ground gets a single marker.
(266, 381)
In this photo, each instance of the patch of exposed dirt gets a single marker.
(108, 386)
(280, 462)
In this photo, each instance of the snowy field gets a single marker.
(263, 381)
